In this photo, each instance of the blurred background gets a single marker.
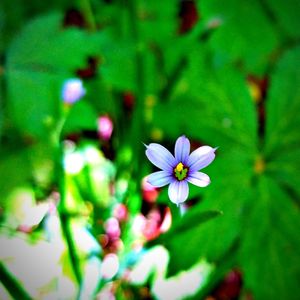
(83, 84)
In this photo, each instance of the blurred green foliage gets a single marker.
(225, 74)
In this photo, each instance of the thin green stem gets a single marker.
(67, 231)
(173, 79)
(2, 99)
(138, 122)
(137, 129)
(86, 8)
(12, 285)
(63, 210)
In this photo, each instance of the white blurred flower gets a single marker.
(91, 278)
(155, 260)
(155, 263)
(85, 241)
(73, 162)
(185, 284)
(24, 212)
(92, 155)
(38, 265)
(106, 292)
(110, 266)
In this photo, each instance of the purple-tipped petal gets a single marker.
(182, 149)
(160, 157)
(200, 158)
(178, 191)
(160, 178)
(199, 179)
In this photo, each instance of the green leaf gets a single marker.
(40, 58)
(282, 128)
(283, 105)
(245, 35)
(34, 101)
(1, 111)
(43, 45)
(286, 14)
(224, 97)
(23, 166)
(16, 172)
(86, 121)
(284, 168)
(158, 17)
(211, 104)
(118, 68)
(271, 237)
(184, 224)
(13, 15)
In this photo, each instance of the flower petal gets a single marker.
(159, 179)
(160, 157)
(201, 157)
(182, 149)
(199, 179)
(178, 191)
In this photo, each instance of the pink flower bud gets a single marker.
(150, 193)
(112, 228)
(105, 127)
(120, 212)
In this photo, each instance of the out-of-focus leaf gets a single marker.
(102, 98)
(1, 111)
(38, 60)
(9, 22)
(34, 101)
(283, 122)
(118, 68)
(33, 164)
(118, 61)
(14, 14)
(283, 106)
(151, 70)
(45, 46)
(86, 121)
(41, 157)
(286, 13)
(284, 168)
(158, 17)
(15, 170)
(271, 237)
(245, 35)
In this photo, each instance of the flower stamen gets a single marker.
(180, 171)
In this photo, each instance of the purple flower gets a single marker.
(179, 170)
(73, 90)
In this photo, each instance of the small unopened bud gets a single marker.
(105, 127)
(73, 90)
